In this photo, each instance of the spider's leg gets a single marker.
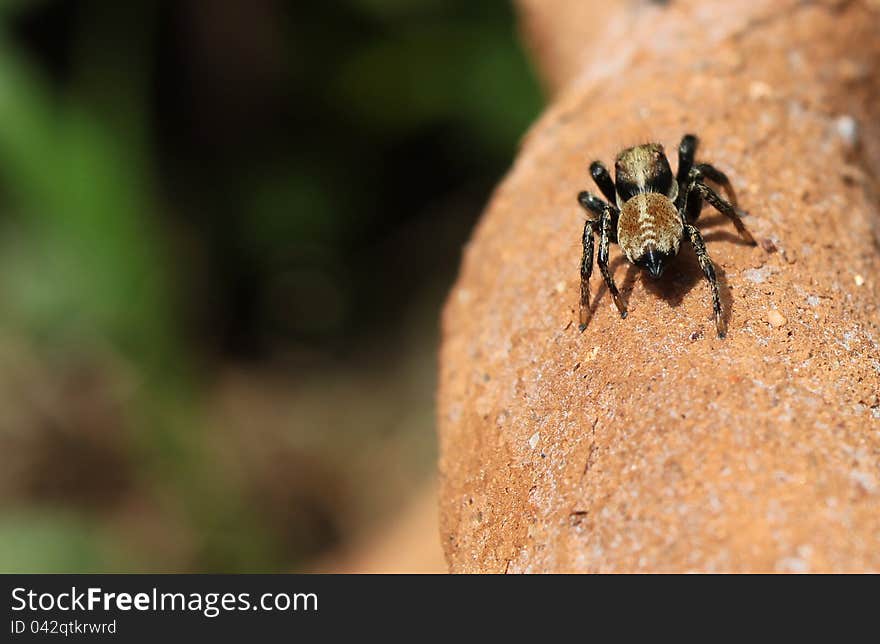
(714, 174)
(690, 202)
(586, 271)
(686, 151)
(709, 271)
(725, 208)
(602, 178)
(592, 203)
(604, 245)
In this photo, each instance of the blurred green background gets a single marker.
(226, 230)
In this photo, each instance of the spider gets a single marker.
(649, 212)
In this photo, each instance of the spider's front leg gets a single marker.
(696, 186)
(699, 245)
(592, 203)
(714, 174)
(607, 216)
(603, 179)
(602, 260)
(586, 271)
(686, 151)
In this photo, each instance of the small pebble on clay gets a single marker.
(775, 319)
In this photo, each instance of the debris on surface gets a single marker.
(775, 318)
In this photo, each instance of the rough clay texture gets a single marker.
(648, 444)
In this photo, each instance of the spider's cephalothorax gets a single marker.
(649, 212)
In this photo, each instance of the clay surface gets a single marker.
(648, 444)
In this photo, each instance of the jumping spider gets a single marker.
(649, 213)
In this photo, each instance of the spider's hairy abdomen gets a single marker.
(649, 222)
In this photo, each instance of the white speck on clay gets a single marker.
(756, 275)
(865, 480)
(533, 441)
(847, 129)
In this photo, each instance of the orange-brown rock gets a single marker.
(648, 444)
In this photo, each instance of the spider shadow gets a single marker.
(718, 234)
(681, 276)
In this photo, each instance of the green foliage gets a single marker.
(50, 541)
(442, 70)
(394, 103)
(85, 258)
